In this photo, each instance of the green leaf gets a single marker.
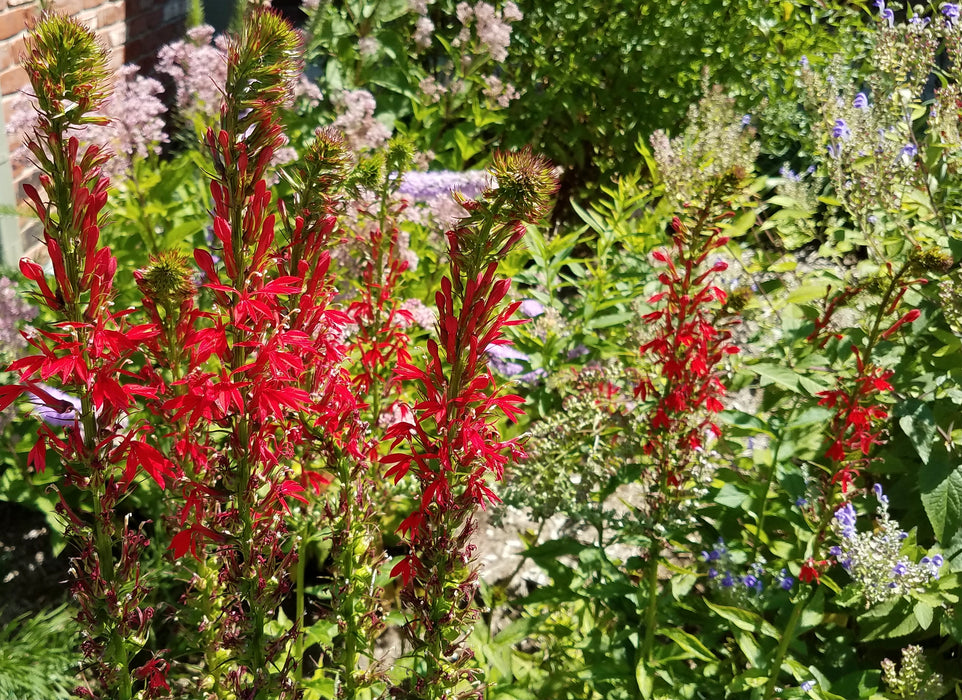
(776, 374)
(923, 614)
(731, 496)
(940, 482)
(808, 292)
(918, 424)
(644, 679)
(689, 643)
(610, 320)
(744, 619)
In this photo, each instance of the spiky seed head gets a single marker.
(168, 279)
(328, 159)
(67, 69)
(526, 183)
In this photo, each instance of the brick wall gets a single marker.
(132, 30)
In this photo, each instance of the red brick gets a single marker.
(13, 22)
(110, 15)
(68, 7)
(12, 79)
(11, 53)
(145, 23)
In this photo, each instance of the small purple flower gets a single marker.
(746, 120)
(531, 308)
(801, 502)
(938, 561)
(834, 150)
(577, 351)
(951, 12)
(785, 582)
(727, 580)
(888, 16)
(909, 151)
(841, 131)
(861, 101)
(882, 498)
(505, 352)
(749, 581)
(807, 686)
(847, 518)
(803, 61)
(900, 569)
(712, 572)
(835, 551)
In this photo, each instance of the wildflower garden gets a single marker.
(531, 350)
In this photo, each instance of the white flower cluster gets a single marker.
(874, 559)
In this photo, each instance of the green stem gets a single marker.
(651, 612)
(788, 635)
(299, 607)
(347, 615)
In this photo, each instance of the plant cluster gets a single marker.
(278, 383)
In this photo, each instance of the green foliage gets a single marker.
(38, 657)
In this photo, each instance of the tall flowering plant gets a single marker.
(262, 403)
(454, 446)
(92, 351)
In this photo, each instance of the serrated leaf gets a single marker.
(940, 482)
(918, 424)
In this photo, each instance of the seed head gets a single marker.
(167, 279)
(525, 184)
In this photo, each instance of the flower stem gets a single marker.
(788, 635)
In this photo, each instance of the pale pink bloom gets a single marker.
(511, 13)
(421, 315)
(423, 32)
(367, 46)
(198, 69)
(431, 89)
(356, 120)
(419, 6)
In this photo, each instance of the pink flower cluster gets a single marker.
(135, 127)
(198, 68)
(357, 122)
(492, 27)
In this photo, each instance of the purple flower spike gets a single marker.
(531, 308)
(861, 101)
(846, 517)
(841, 131)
